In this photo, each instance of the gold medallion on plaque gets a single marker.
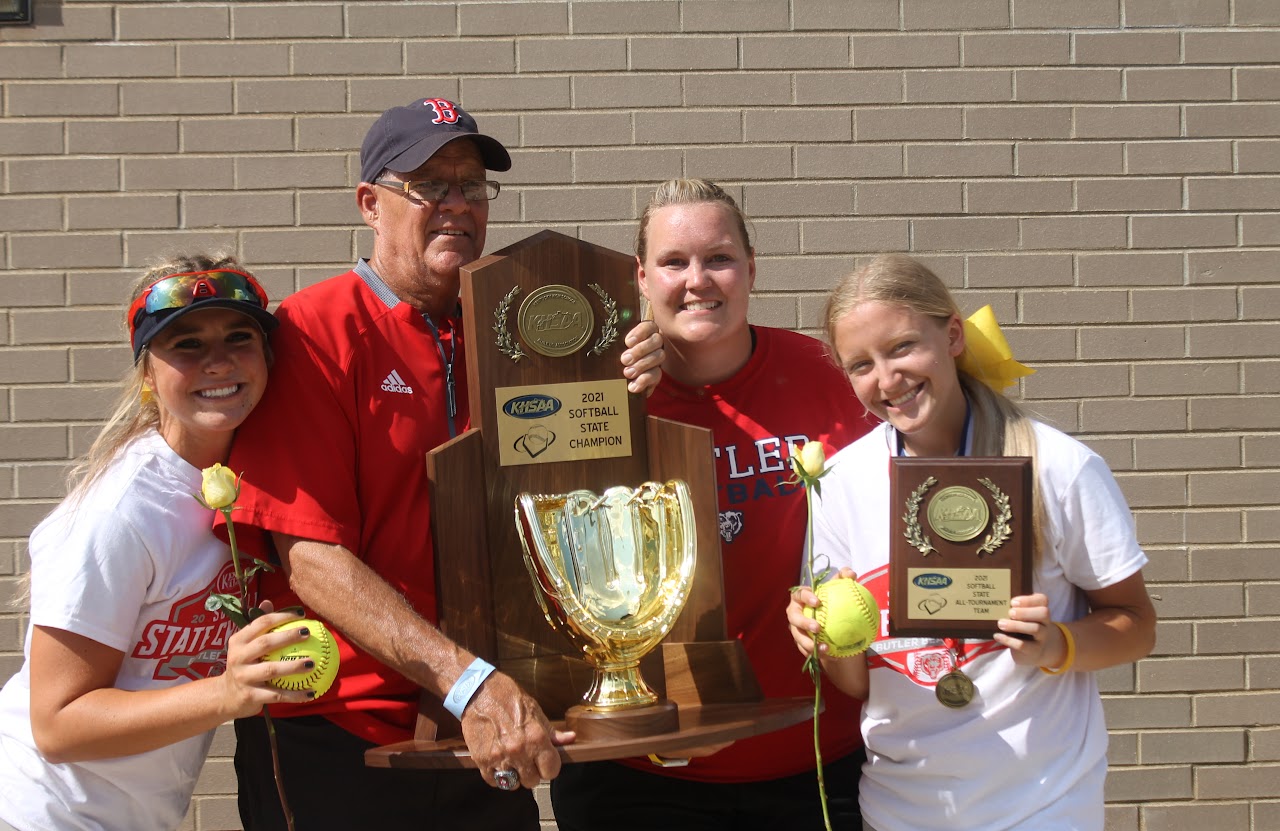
(555, 320)
(958, 513)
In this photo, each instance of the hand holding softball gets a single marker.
(848, 615)
(315, 653)
(247, 681)
(839, 618)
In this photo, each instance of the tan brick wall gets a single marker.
(1105, 172)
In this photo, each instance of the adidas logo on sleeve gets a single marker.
(394, 383)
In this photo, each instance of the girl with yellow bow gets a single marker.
(1028, 750)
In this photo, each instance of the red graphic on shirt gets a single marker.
(931, 665)
(923, 660)
(192, 641)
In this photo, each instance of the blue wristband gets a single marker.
(465, 687)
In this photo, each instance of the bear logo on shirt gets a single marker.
(730, 525)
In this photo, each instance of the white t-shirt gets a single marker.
(1029, 752)
(128, 565)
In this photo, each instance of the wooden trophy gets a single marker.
(545, 320)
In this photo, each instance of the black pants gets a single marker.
(329, 787)
(604, 796)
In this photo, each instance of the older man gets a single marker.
(368, 377)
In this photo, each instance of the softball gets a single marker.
(849, 617)
(319, 647)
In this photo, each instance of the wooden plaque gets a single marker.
(960, 544)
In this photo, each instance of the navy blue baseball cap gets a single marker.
(403, 138)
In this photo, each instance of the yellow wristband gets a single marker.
(1071, 650)
(663, 762)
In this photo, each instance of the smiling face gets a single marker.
(902, 365)
(419, 246)
(697, 274)
(208, 370)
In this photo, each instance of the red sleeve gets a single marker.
(297, 450)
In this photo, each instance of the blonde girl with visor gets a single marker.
(126, 674)
(1028, 752)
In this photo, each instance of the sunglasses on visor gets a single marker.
(177, 291)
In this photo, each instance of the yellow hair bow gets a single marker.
(987, 356)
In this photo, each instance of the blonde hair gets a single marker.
(689, 192)
(135, 413)
(1000, 426)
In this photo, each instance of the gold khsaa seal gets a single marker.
(958, 513)
(555, 320)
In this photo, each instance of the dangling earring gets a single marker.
(146, 396)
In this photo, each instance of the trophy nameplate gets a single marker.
(543, 423)
(960, 543)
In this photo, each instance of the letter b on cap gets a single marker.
(445, 112)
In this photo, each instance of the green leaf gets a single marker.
(229, 605)
(258, 565)
(814, 667)
(821, 565)
(216, 602)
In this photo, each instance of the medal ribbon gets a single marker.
(955, 647)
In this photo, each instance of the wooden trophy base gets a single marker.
(699, 726)
(709, 685)
(596, 725)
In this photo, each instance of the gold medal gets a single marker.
(955, 689)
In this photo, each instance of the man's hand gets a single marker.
(502, 725)
(642, 362)
(504, 729)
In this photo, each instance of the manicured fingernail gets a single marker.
(311, 693)
(300, 612)
(309, 664)
(303, 633)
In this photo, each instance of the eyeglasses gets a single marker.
(433, 190)
(177, 291)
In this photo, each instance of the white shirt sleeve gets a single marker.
(90, 573)
(1099, 545)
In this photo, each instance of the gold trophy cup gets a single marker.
(612, 573)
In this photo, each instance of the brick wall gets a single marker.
(1104, 172)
